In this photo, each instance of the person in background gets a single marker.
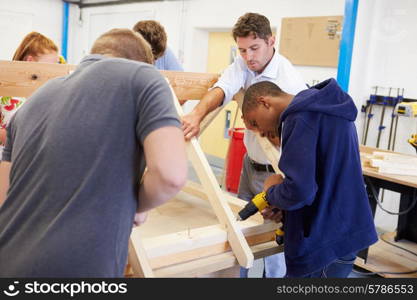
(155, 34)
(327, 216)
(72, 180)
(35, 47)
(258, 61)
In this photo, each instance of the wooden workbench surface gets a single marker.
(401, 179)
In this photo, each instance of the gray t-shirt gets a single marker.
(76, 149)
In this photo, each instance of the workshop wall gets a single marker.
(19, 17)
(384, 55)
(188, 24)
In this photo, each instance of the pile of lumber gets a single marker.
(390, 163)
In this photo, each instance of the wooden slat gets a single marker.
(192, 248)
(21, 79)
(221, 209)
(270, 152)
(210, 264)
(138, 260)
(209, 118)
(179, 241)
(189, 85)
(400, 179)
(235, 204)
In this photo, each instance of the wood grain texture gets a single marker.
(189, 85)
(210, 264)
(214, 193)
(21, 79)
(400, 179)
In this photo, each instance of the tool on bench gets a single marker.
(259, 203)
(369, 115)
(381, 122)
(394, 116)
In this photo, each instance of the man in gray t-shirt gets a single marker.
(73, 160)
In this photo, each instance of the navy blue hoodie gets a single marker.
(327, 212)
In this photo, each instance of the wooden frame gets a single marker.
(182, 253)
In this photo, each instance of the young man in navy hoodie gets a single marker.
(327, 218)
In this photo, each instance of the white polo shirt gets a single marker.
(238, 75)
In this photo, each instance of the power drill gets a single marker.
(258, 203)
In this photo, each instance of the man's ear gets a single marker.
(264, 100)
(272, 41)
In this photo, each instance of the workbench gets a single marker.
(383, 256)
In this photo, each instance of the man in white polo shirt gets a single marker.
(258, 61)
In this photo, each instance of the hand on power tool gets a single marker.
(260, 203)
(272, 213)
(273, 180)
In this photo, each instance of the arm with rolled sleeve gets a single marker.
(298, 163)
(231, 80)
(223, 91)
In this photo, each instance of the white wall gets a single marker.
(204, 16)
(188, 22)
(87, 24)
(385, 55)
(19, 17)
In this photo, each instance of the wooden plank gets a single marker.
(138, 260)
(210, 250)
(209, 118)
(205, 265)
(21, 79)
(222, 210)
(372, 172)
(270, 152)
(196, 238)
(189, 85)
(383, 257)
(238, 97)
(235, 204)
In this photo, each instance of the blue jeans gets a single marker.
(340, 268)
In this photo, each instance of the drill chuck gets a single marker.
(258, 203)
(249, 210)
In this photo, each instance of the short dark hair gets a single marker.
(124, 43)
(259, 89)
(155, 34)
(252, 24)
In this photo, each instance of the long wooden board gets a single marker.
(215, 195)
(210, 264)
(21, 79)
